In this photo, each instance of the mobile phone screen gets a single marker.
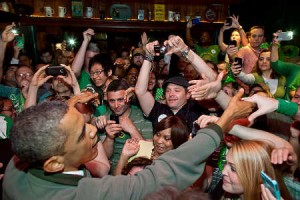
(19, 42)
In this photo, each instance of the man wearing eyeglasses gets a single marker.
(132, 123)
(18, 95)
(101, 74)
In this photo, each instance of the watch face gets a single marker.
(210, 14)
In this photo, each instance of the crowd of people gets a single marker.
(181, 119)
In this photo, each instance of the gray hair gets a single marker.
(93, 47)
(35, 134)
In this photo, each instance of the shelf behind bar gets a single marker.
(113, 25)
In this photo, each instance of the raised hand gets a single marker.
(40, 77)
(7, 35)
(87, 35)
(144, 38)
(131, 147)
(175, 44)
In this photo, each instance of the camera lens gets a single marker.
(163, 49)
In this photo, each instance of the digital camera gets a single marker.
(161, 49)
(56, 71)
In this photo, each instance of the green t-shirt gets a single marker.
(143, 125)
(5, 126)
(208, 53)
(84, 79)
(15, 95)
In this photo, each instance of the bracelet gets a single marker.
(149, 57)
(240, 28)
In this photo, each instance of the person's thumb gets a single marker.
(253, 116)
(240, 93)
(220, 76)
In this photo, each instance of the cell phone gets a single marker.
(238, 60)
(285, 36)
(19, 41)
(271, 184)
(195, 129)
(232, 42)
(56, 71)
(114, 118)
(196, 21)
(228, 21)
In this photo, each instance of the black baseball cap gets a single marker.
(177, 80)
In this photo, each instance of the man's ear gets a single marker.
(188, 95)
(54, 164)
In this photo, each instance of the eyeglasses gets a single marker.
(98, 72)
(119, 100)
(26, 75)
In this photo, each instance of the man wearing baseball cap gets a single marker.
(178, 102)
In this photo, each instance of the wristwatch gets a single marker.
(185, 53)
(149, 57)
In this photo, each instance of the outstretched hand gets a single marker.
(264, 104)
(239, 107)
(82, 98)
(203, 89)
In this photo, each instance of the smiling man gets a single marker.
(178, 102)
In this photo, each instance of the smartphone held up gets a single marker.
(271, 184)
(285, 36)
(228, 21)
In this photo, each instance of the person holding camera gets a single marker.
(178, 100)
(290, 70)
(64, 84)
(238, 36)
(249, 53)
